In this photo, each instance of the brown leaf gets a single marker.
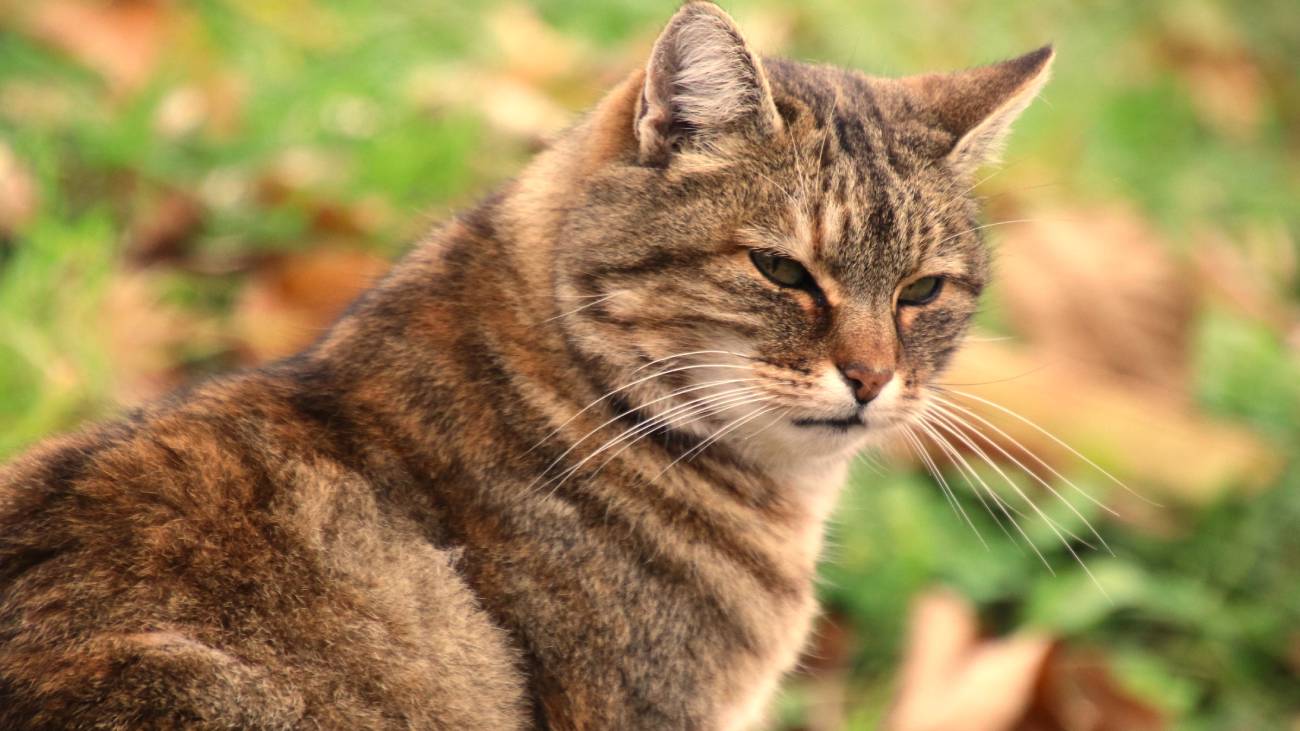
(299, 171)
(529, 49)
(121, 40)
(1077, 692)
(18, 194)
(1204, 46)
(951, 680)
(164, 230)
(1228, 93)
(289, 302)
(825, 664)
(145, 336)
(1293, 653)
(27, 102)
(832, 645)
(1098, 286)
(1109, 314)
(511, 106)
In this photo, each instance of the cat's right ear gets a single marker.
(702, 83)
(977, 106)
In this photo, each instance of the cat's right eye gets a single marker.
(781, 270)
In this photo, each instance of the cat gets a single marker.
(567, 465)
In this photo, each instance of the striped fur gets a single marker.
(427, 520)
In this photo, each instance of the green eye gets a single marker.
(781, 269)
(921, 291)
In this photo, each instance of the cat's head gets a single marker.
(779, 254)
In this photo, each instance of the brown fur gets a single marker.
(416, 523)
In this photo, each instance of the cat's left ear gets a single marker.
(977, 106)
(702, 82)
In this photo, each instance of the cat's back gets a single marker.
(218, 561)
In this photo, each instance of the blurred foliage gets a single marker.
(166, 168)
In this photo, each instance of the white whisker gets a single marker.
(779, 187)
(1055, 439)
(626, 386)
(967, 472)
(775, 420)
(648, 427)
(1015, 442)
(741, 421)
(644, 366)
(669, 421)
(937, 474)
(871, 464)
(981, 228)
(616, 417)
(961, 424)
(576, 310)
(1028, 541)
(943, 422)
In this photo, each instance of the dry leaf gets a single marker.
(1205, 47)
(527, 48)
(181, 112)
(18, 194)
(1293, 653)
(214, 105)
(767, 30)
(1228, 93)
(36, 104)
(826, 666)
(297, 169)
(164, 230)
(1099, 287)
(120, 40)
(1077, 692)
(512, 107)
(144, 335)
(292, 298)
(951, 680)
(1108, 313)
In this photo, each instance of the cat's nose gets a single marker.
(866, 381)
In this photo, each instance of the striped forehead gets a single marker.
(869, 205)
(867, 224)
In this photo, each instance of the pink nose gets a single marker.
(866, 381)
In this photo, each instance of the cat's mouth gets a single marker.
(843, 423)
(861, 419)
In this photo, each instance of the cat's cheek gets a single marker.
(809, 306)
(906, 318)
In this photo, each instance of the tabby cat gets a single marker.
(567, 465)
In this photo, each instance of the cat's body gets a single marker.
(417, 523)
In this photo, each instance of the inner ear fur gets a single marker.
(702, 81)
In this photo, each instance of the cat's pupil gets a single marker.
(921, 291)
(781, 269)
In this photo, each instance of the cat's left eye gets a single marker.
(921, 292)
(781, 270)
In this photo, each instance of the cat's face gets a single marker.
(790, 283)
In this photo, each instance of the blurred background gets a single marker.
(187, 188)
